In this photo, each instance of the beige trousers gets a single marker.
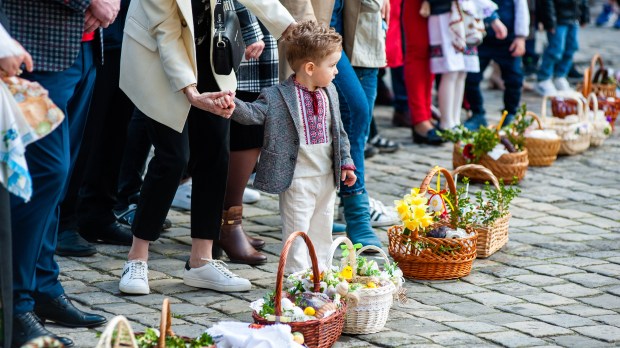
(308, 206)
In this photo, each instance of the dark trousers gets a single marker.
(35, 224)
(102, 149)
(6, 278)
(512, 74)
(137, 147)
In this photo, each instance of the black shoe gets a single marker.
(70, 243)
(113, 233)
(370, 151)
(401, 119)
(431, 138)
(574, 73)
(125, 216)
(61, 311)
(27, 326)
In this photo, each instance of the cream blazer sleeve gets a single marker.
(164, 19)
(271, 13)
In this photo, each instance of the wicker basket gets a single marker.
(541, 152)
(592, 80)
(438, 258)
(319, 333)
(601, 129)
(370, 313)
(493, 237)
(117, 334)
(508, 166)
(575, 134)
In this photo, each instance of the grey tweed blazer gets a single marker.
(278, 110)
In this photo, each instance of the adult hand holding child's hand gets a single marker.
(220, 103)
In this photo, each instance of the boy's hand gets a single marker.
(348, 176)
(425, 9)
(517, 48)
(219, 103)
(500, 29)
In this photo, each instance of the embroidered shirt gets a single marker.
(313, 112)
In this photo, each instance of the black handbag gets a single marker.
(228, 45)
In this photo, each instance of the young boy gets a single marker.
(507, 54)
(305, 152)
(561, 19)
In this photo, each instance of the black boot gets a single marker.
(27, 326)
(70, 243)
(61, 311)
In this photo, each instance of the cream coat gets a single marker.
(158, 58)
(364, 36)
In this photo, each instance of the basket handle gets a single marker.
(427, 180)
(335, 244)
(282, 264)
(123, 331)
(375, 248)
(165, 327)
(535, 117)
(596, 74)
(587, 81)
(480, 168)
(594, 99)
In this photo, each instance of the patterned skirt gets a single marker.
(444, 57)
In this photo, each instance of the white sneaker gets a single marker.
(135, 278)
(561, 84)
(380, 215)
(545, 87)
(215, 276)
(250, 196)
(183, 197)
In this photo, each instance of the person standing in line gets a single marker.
(59, 35)
(167, 72)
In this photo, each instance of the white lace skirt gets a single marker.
(444, 57)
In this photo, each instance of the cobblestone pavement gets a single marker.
(556, 282)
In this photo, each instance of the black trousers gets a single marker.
(106, 132)
(6, 270)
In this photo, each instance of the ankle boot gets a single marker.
(234, 214)
(357, 216)
(234, 242)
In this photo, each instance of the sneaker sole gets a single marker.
(133, 290)
(382, 223)
(205, 284)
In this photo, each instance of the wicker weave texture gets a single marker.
(572, 143)
(541, 152)
(320, 333)
(506, 167)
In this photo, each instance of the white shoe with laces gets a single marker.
(215, 276)
(135, 278)
(545, 87)
(561, 84)
(380, 215)
(250, 196)
(183, 197)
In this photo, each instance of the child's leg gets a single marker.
(512, 74)
(553, 53)
(321, 220)
(571, 45)
(459, 90)
(446, 97)
(297, 204)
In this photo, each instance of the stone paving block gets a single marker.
(89, 277)
(504, 271)
(591, 280)
(566, 247)
(571, 213)
(189, 330)
(452, 338)
(500, 318)
(571, 290)
(546, 229)
(548, 299)
(600, 222)
(579, 237)
(346, 341)
(556, 221)
(585, 310)
(606, 301)
(416, 287)
(537, 280)
(600, 254)
(514, 288)
(482, 279)
(578, 261)
(77, 287)
(576, 341)
(613, 319)
(587, 229)
(169, 286)
(516, 222)
(438, 298)
(413, 305)
(519, 262)
(204, 297)
(565, 320)
(542, 253)
(468, 309)
(393, 339)
(125, 309)
(604, 244)
(532, 237)
(537, 206)
(538, 329)
(439, 316)
(475, 327)
(527, 309)
(458, 288)
(416, 326)
(493, 299)
(232, 307)
(553, 270)
(600, 332)
(512, 339)
(608, 269)
(94, 298)
(80, 338)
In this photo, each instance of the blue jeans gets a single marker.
(35, 224)
(399, 89)
(558, 56)
(368, 78)
(512, 74)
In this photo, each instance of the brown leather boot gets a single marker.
(236, 214)
(235, 242)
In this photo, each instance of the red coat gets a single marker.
(394, 49)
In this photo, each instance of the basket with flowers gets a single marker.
(500, 150)
(308, 307)
(430, 244)
(368, 287)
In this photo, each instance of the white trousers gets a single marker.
(308, 206)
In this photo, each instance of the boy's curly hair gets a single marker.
(311, 42)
